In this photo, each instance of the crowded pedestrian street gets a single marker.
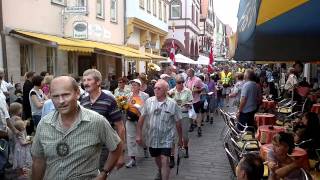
(207, 159)
(159, 90)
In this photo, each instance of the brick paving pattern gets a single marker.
(207, 160)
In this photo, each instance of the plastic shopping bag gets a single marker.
(205, 104)
(192, 114)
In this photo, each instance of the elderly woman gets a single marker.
(136, 101)
(183, 97)
(280, 163)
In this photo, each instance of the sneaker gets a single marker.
(145, 152)
(131, 163)
(158, 176)
(199, 132)
(171, 163)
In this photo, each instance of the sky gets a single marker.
(227, 10)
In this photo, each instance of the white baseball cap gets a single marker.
(136, 81)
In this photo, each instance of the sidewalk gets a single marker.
(207, 160)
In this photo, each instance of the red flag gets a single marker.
(172, 52)
(211, 56)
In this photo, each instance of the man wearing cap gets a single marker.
(135, 104)
(104, 104)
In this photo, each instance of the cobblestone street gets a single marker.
(207, 160)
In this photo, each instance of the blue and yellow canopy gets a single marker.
(278, 30)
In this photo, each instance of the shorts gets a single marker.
(198, 107)
(155, 152)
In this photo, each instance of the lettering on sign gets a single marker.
(80, 30)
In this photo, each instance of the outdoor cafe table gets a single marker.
(297, 153)
(316, 108)
(268, 104)
(265, 119)
(265, 133)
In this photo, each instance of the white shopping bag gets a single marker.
(192, 114)
(205, 104)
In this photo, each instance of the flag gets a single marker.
(172, 52)
(211, 59)
(211, 56)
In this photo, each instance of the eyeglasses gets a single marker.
(157, 88)
(120, 82)
(180, 82)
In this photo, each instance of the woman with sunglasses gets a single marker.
(183, 97)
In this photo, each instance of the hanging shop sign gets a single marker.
(80, 30)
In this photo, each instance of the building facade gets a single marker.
(35, 28)
(147, 27)
(184, 20)
(206, 25)
(219, 39)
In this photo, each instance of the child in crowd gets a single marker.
(15, 111)
(219, 94)
(22, 160)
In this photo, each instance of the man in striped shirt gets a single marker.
(103, 104)
(162, 116)
(68, 141)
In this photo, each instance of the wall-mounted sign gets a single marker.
(76, 9)
(80, 30)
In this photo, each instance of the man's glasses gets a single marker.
(157, 88)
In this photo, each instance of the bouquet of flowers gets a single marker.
(122, 102)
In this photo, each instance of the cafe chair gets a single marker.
(242, 147)
(233, 161)
(306, 175)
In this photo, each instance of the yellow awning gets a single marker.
(155, 57)
(149, 55)
(114, 48)
(63, 44)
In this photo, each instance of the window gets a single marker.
(148, 6)
(164, 12)
(25, 59)
(160, 9)
(114, 11)
(141, 3)
(197, 16)
(51, 59)
(60, 2)
(100, 8)
(175, 9)
(192, 10)
(154, 7)
(81, 3)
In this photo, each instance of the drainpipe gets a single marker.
(123, 60)
(3, 44)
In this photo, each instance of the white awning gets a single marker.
(202, 60)
(182, 59)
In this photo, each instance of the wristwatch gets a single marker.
(106, 172)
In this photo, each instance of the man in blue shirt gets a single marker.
(250, 98)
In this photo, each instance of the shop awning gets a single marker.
(114, 49)
(286, 30)
(180, 59)
(61, 43)
(149, 55)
